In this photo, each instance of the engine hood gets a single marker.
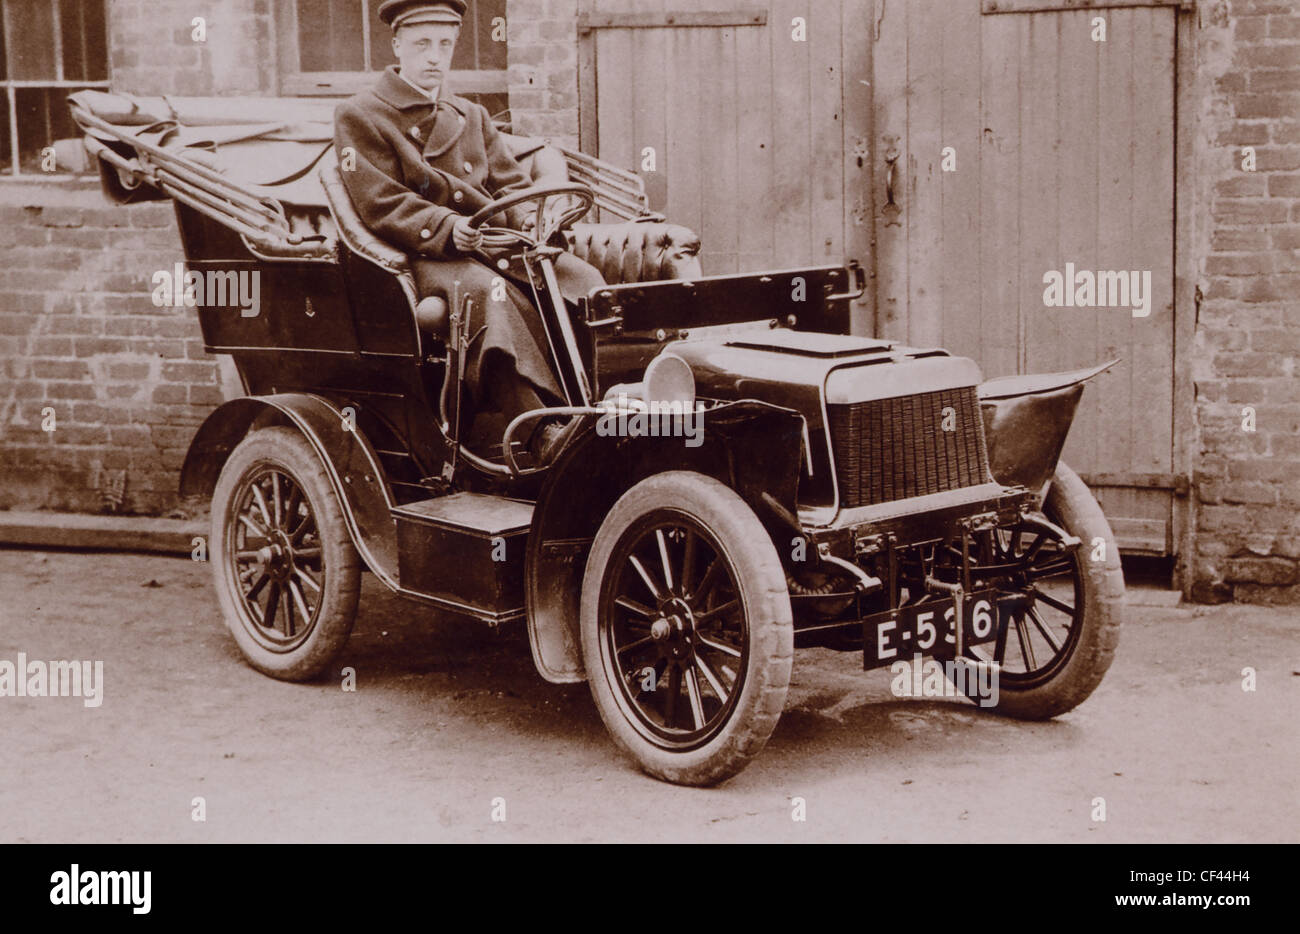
(793, 368)
(808, 371)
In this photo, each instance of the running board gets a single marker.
(465, 552)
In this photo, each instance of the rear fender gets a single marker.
(753, 447)
(349, 461)
(1026, 421)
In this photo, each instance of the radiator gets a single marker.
(891, 449)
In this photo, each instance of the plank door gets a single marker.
(760, 142)
(1062, 150)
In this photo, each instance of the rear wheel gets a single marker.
(286, 572)
(686, 628)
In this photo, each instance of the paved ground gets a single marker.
(448, 717)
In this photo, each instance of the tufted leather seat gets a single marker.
(638, 251)
(641, 250)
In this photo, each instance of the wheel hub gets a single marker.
(276, 558)
(674, 630)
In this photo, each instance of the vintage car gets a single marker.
(749, 476)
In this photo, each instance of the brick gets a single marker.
(1240, 392)
(1250, 30)
(1283, 391)
(1275, 79)
(1268, 471)
(52, 346)
(206, 396)
(1271, 288)
(1248, 212)
(130, 435)
(1269, 571)
(1242, 264)
(1283, 446)
(1249, 493)
(60, 369)
(1277, 158)
(1285, 238)
(1243, 185)
(1277, 105)
(1224, 338)
(129, 371)
(75, 326)
(1243, 133)
(59, 216)
(18, 324)
(1283, 340)
(94, 413)
(190, 372)
(69, 391)
(1284, 27)
(93, 346)
(1274, 55)
(1229, 240)
(81, 434)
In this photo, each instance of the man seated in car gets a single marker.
(425, 161)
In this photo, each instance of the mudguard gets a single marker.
(753, 447)
(1026, 421)
(349, 461)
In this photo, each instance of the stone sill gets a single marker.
(99, 533)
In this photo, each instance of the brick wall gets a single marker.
(543, 54)
(153, 51)
(1247, 544)
(128, 383)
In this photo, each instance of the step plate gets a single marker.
(467, 550)
(471, 513)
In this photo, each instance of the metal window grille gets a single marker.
(48, 49)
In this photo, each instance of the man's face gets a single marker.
(425, 52)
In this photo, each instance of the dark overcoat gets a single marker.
(417, 168)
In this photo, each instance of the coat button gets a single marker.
(458, 197)
(469, 167)
(425, 234)
(415, 132)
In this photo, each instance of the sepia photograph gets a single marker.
(650, 421)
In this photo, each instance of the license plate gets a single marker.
(928, 628)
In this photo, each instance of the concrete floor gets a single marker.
(448, 717)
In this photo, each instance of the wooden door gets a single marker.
(1021, 140)
(749, 120)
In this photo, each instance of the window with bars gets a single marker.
(48, 50)
(335, 47)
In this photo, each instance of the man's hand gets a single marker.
(464, 237)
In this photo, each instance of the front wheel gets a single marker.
(686, 628)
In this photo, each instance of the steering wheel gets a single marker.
(502, 237)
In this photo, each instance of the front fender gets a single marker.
(753, 447)
(1026, 421)
(349, 461)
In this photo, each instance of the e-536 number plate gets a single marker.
(928, 628)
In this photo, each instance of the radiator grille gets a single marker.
(890, 449)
